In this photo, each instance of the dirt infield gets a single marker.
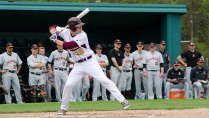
(191, 113)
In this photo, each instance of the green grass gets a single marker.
(106, 105)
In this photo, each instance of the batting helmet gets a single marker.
(74, 22)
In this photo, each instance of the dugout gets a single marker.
(24, 23)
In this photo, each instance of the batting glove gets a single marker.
(54, 36)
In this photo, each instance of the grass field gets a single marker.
(106, 106)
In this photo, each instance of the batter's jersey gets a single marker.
(101, 59)
(81, 39)
(59, 58)
(128, 62)
(10, 62)
(153, 60)
(33, 60)
(139, 58)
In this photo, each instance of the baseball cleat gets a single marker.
(125, 104)
(61, 112)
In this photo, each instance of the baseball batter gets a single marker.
(60, 59)
(153, 69)
(103, 62)
(11, 67)
(138, 56)
(85, 62)
(36, 63)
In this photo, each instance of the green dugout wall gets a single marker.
(24, 23)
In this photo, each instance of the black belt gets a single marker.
(36, 73)
(139, 68)
(126, 70)
(152, 70)
(84, 59)
(12, 71)
(62, 69)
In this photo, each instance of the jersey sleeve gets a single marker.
(161, 58)
(30, 62)
(51, 57)
(183, 55)
(106, 60)
(1, 59)
(169, 74)
(112, 55)
(19, 61)
(62, 31)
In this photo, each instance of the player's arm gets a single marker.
(18, 68)
(180, 59)
(50, 60)
(31, 63)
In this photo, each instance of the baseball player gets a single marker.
(60, 59)
(103, 62)
(127, 74)
(85, 62)
(166, 64)
(153, 69)
(191, 57)
(139, 77)
(12, 64)
(175, 79)
(47, 79)
(199, 78)
(117, 57)
(36, 63)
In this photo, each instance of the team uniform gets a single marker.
(9, 78)
(200, 74)
(176, 74)
(96, 84)
(127, 75)
(36, 78)
(153, 61)
(115, 73)
(138, 74)
(191, 60)
(59, 60)
(85, 63)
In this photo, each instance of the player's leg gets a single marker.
(96, 89)
(158, 84)
(145, 83)
(7, 84)
(96, 72)
(184, 86)
(128, 85)
(150, 80)
(16, 87)
(74, 77)
(197, 89)
(122, 82)
(42, 87)
(137, 83)
(188, 71)
(167, 90)
(103, 89)
(206, 88)
(63, 78)
(85, 87)
(114, 77)
(57, 83)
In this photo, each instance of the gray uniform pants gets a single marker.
(97, 92)
(48, 86)
(11, 79)
(154, 80)
(198, 87)
(82, 88)
(116, 78)
(126, 81)
(139, 79)
(60, 78)
(184, 86)
(187, 74)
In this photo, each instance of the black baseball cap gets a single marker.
(9, 45)
(127, 45)
(34, 46)
(162, 42)
(200, 60)
(98, 46)
(176, 63)
(140, 43)
(117, 41)
(152, 44)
